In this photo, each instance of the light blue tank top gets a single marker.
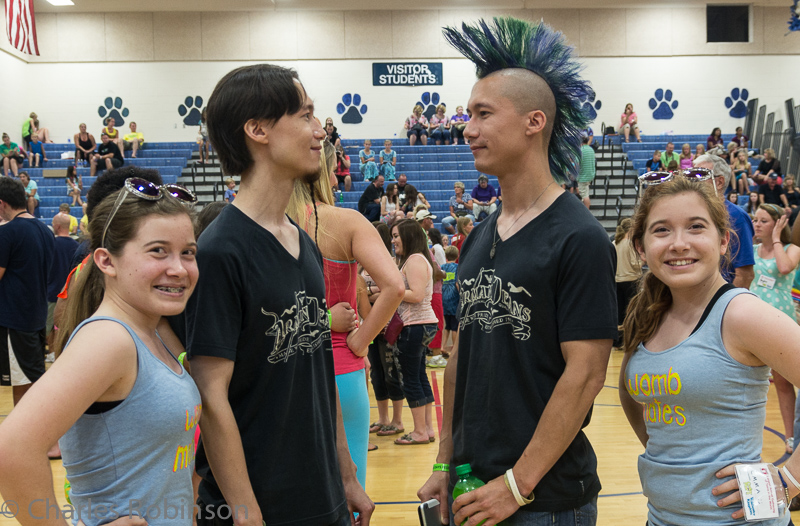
(704, 411)
(137, 458)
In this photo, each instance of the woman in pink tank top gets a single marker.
(345, 238)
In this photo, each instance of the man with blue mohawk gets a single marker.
(538, 303)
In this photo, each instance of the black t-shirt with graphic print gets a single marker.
(551, 282)
(257, 305)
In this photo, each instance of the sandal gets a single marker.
(389, 431)
(406, 440)
(372, 447)
(375, 427)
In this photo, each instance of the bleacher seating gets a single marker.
(169, 158)
(431, 169)
(640, 152)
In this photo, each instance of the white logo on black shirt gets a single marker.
(299, 328)
(486, 301)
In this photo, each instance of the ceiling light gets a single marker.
(61, 2)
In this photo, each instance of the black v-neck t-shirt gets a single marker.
(257, 305)
(551, 282)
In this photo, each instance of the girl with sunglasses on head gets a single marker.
(124, 407)
(695, 375)
(776, 260)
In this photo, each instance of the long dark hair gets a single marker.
(71, 173)
(385, 233)
(412, 194)
(87, 293)
(435, 236)
(390, 196)
(414, 241)
(260, 91)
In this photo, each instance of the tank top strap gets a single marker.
(711, 328)
(430, 269)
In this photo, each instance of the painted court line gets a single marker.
(416, 502)
(437, 400)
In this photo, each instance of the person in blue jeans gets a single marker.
(460, 206)
(537, 314)
(367, 165)
(419, 327)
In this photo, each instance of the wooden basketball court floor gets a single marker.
(395, 473)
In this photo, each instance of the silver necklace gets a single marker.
(494, 242)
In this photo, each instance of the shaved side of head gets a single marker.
(528, 92)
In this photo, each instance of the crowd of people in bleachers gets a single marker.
(402, 200)
(87, 150)
(757, 177)
(439, 128)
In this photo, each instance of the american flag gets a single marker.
(21, 26)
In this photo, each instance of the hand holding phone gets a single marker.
(429, 513)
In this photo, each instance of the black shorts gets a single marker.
(28, 349)
(450, 322)
(115, 163)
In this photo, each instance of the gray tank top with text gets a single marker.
(137, 458)
(703, 411)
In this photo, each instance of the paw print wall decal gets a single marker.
(429, 101)
(113, 108)
(590, 106)
(737, 103)
(190, 110)
(663, 104)
(351, 108)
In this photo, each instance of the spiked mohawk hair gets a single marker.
(511, 43)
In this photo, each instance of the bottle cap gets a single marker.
(463, 469)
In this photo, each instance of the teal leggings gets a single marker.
(355, 413)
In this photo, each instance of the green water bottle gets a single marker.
(466, 482)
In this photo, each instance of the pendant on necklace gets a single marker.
(491, 253)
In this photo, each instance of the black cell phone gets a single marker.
(429, 513)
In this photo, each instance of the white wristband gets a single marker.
(790, 477)
(512, 485)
